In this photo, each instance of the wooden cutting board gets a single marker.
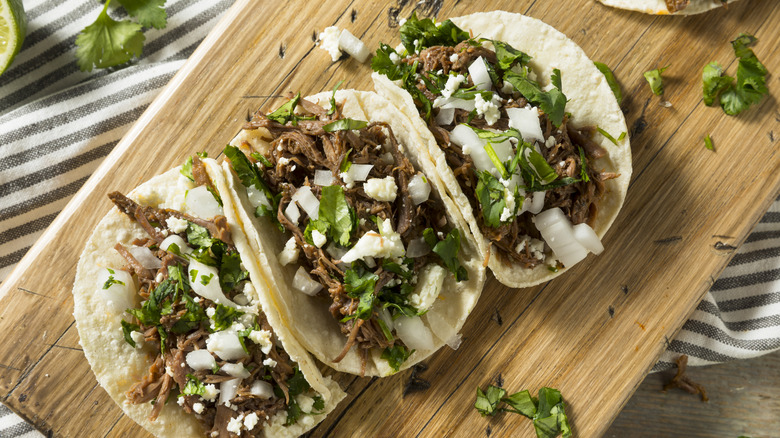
(593, 333)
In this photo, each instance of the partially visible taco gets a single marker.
(666, 7)
(370, 264)
(511, 108)
(173, 326)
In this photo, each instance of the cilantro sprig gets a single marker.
(108, 42)
(546, 410)
(749, 87)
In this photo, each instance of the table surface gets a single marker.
(601, 326)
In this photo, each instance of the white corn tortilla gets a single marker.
(117, 365)
(308, 317)
(591, 102)
(658, 7)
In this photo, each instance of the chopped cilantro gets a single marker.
(359, 283)
(198, 235)
(546, 411)
(286, 112)
(655, 80)
(490, 194)
(332, 108)
(107, 42)
(111, 280)
(708, 143)
(611, 81)
(750, 86)
(193, 386)
(230, 272)
(552, 102)
(382, 63)
(297, 385)
(447, 250)
(261, 158)
(186, 169)
(396, 356)
(344, 125)
(128, 328)
(508, 56)
(191, 318)
(427, 33)
(608, 135)
(335, 210)
(224, 316)
(206, 280)
(250, 176)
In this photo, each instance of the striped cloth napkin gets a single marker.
(58, 123)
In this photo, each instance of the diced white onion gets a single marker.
(534, 203)
(384, 245)
(418, 248)
(526, 120)
(304, 283)
(359, 172)
(414, 333)
(352, 45)
(292, 213)
(235, 370)
(335, 251)
(419, 189)
(442, 329)
(445, 116)
(200, 360)
(558, 233)
(118, 297)
(201, 203)
(145, 257)
(226, 345)
(588, 238)
(454, 103)
(227, 390)
(384, 315)
(308, 202)
(212, 290)
(262, 389)
(178, 241)
(323, 178)
(471, 144)
(479, 75)
(387, 158)
(256, 197)
(503, 150)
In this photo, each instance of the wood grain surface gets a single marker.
(593, 333)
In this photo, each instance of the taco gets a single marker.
(666, 7)
(369, 264)
(173, 326)
(524, 131)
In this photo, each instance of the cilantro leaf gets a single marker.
(191, 319)
(552, 102)
(107, 42)
(447, 250)
(344, 125)
(714, 82)
(426, 33)
(708, 142)
(522, 403)
(360, 283)
(250, 176)
(487, 402)
(198, 235)
(332, 101)
(396, 356)
(607, 135)
(149, 13)
(230, 272)
(490, 194)
(611, 81)
(224, 316)
(193, 386)
(382, 63)
(286, 112)
(186, 169)
(508, 56)
(128, 328)
(297, 385)
(655, 80)
(111, 280)
(335, 210)
(750, 86)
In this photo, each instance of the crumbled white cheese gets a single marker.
(180, 400)
(401, 22)
(454, 58)
(508, 88)
(305, 402)
(138, 338)
(395, 58)
(261, 338)
(176, 225)
(400, 48)
(509, 206)
(269, 363)
(349, 181)
(198, 407)
(283, 161)
(290, 252)
(250, 421)
(489, 109)
(381, 189)
(535, 247)
(234, 425)
(318, 238)
(329, 41)
(430, 280)
(386, 244)
(550, 142)
(453, 83)
(210, 392)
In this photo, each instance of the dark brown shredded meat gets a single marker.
(296, 151)
(676, 5)
(682, 381)
(579, 201)
(169, 372)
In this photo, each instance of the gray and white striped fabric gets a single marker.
(57, 123)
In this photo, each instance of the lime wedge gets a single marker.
(13, 26)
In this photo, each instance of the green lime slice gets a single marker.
(13, 27)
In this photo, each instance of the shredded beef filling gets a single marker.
(167, 375)
(579, 201)
(297, 150)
